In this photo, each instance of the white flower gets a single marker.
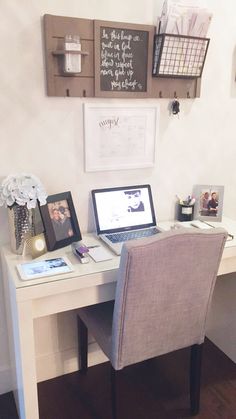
(23, 189)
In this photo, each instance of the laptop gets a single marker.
(124, 213)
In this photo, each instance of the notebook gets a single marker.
(124, 213)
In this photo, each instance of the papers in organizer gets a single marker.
(184, 17)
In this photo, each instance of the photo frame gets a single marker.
(60, 221)
(120, 136)
(209, 202)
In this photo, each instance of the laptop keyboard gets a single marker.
(131, 235)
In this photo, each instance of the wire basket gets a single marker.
(179, 56)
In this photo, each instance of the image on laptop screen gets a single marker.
(123, 208)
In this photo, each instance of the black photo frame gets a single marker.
(60, 221)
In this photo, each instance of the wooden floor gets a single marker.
(157, 389)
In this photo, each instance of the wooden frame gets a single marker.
(203, 209)
(60, 221)
(134, 40)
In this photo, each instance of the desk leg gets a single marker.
(27, 396)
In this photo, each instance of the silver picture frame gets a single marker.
(209, 202)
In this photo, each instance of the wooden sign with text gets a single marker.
(122, 59)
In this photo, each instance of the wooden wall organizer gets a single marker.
(91, 81)
(58, 84)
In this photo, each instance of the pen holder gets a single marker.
(185, 212)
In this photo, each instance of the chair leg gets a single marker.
(82, 345)
(113, 392)
(195, 377)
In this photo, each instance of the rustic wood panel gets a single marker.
(89, 82)
(171, 88)
(59, 84)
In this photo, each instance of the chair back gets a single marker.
(163, 293)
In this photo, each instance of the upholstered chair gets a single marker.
(164, 289)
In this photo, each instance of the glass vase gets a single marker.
(22, 226)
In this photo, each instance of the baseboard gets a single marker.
(60, 363)
(224, 344)
(5, 380)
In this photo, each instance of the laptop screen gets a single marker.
(123, 208)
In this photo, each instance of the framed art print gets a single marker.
(60, 221)
(209, 202)
(119, 136)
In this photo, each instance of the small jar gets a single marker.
(72, 61)
(185, 212)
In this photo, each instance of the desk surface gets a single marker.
(82, 270)
(228, 261)
(79, 268)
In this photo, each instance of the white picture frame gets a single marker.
(203, 195)
(45, 267)
(119, 136)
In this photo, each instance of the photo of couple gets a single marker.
(61, 219)
(209, 202)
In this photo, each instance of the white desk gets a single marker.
(88, 284)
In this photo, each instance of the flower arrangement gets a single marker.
(22, 189)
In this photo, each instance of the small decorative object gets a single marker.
(209, 202)
(20, 194)
(35, 246)
(60, 221)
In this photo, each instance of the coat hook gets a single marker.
(68, 92)
(84, 93)
(175, 95)
(188, 95)
(160, 94)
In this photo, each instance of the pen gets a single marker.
(93, 247)
(208, 224)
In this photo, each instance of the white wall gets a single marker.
(44, 135)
